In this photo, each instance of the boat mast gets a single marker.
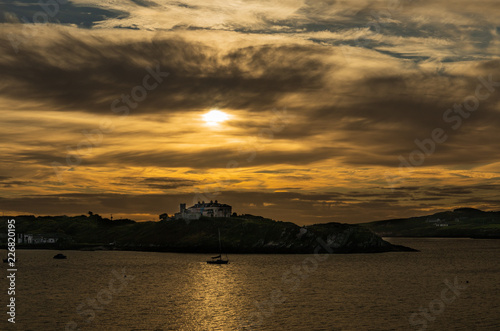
(220, 247)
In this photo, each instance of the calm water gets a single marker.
(164, 291)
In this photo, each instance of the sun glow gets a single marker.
(215, 117)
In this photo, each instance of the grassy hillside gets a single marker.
(463, 222)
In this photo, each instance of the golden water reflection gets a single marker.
(216, 297)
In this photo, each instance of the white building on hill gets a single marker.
(26, 238)
(209, 209)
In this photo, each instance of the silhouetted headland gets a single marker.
(240, 234)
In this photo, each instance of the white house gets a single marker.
(23, 238)
(209, 209)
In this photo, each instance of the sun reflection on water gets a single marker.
(216, 297)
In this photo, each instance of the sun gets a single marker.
(215, 117)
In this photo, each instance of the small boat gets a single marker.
(218, 259)
(59, 256)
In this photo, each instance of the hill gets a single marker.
(241, 234)
(459, 223)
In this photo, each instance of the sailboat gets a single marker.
(218, 259)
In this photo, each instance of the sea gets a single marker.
(451, 284)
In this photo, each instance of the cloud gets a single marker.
(80, 73)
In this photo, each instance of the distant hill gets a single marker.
(462, 222)
(242, 234)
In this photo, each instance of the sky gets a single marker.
(301, 111)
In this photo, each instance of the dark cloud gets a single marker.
(494, 187)
(88, 74)
(447, 191)
(283, 171)
(454, 191)
(8, 182)
(403, 188)
(54, 12)
(210, 158)
(162, 183)
(12, 183)
(145, 3)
